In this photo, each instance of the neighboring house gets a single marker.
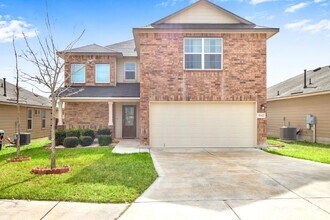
(196, 78)
(35, 112)
(290, 101)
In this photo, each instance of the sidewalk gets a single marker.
(32, 210)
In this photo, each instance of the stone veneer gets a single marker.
(90, 61)
(163, 78)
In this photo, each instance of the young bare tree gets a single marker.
(50, 68)
(18, 121)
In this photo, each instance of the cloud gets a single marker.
(297, 25)
(318, 1)
(168, 3)
(171, 3)
(255, 2)
(305, 25)
(15, 27)
(320, 26)
(296, 7)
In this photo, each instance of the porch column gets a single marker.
(60, 114)
(110, 114)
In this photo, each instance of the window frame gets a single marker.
(130, 71)
(202, 54)
(109, 72)
(29, 119)
(72, 74)
(43, 118)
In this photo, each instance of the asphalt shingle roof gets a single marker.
(92, 48)
(26, 97)
(320, 82)
(121, 90)
(127, 48)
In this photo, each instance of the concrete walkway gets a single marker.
(32, 210)
(129, 146)
(233, 184)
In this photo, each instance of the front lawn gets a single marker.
(303, 150)
(97, 175)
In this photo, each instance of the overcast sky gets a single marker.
(303, 41)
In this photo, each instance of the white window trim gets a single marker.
(27, 126)
(202, 53)
(130, 71)
(109, 73)
(42, 118)
(71, 73)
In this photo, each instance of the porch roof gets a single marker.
(121, 90)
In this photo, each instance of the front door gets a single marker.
(129, 121)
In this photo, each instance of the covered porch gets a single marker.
(115, 107)
(120, 115)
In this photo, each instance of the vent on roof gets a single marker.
(317, 69)
(295, 93)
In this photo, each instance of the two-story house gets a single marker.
(196, 78)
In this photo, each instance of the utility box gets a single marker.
(2, 136)
(310, 119)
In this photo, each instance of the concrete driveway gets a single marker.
(233, 184)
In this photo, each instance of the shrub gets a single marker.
(73, 132)
(88, 132)
(103, 131)
(59, 137)
(85, 140)
(104, 140)
(71, 142)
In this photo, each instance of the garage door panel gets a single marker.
(200, 124)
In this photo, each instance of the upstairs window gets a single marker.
(102, 73)
(130, 71)
(78, 73)
(43, 119)
(203, 53)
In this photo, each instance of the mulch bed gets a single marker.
(18, 159)
(45, 171)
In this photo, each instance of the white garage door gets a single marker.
(203, 124)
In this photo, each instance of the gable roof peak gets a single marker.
(203, 12)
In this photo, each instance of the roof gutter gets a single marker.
(25, 105)
(299, 96)
(98, 99)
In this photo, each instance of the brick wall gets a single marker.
(93, 115)
(90, 61)
(163, 78)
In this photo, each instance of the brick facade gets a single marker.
(90, 61)
(86, 114)
(163, 78)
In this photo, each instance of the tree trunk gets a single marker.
(53, 155)
(18, 140)
(18, 121)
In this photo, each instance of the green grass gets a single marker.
(97, 175)
(303, 150)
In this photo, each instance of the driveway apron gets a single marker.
(233, 183)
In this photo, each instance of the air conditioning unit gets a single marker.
(25, 138)
(288, 133)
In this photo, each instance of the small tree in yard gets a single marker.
(18, 122)
(50, 68)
